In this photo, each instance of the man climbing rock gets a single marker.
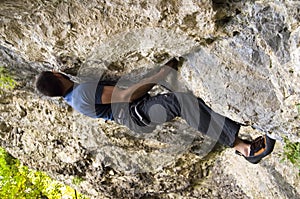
(140, 112)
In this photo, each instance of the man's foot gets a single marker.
(259, 148)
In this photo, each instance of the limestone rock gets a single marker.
(241, 57)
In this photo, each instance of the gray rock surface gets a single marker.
(241, 57)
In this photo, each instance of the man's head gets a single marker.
(51, 83)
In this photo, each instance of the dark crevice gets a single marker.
(226, 10)
(223, 21)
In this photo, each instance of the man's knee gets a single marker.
(158, 114)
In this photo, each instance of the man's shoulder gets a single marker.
(87, 91)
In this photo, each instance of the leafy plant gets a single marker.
(6, 80)
(291, 152)
(18, 181)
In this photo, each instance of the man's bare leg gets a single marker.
(242, 147)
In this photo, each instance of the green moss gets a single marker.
(7, 81)
(77, 180)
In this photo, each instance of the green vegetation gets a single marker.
(17, 181)
(7, 82)
(291, 152)
(77, 180)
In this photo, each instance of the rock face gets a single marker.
(241, 57)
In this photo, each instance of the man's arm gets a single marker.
(113, 94)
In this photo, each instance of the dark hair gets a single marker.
(48, 84)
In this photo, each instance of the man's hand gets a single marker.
(173, 63)
(167, 68)
(138, 90)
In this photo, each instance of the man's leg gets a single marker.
(165, 107)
